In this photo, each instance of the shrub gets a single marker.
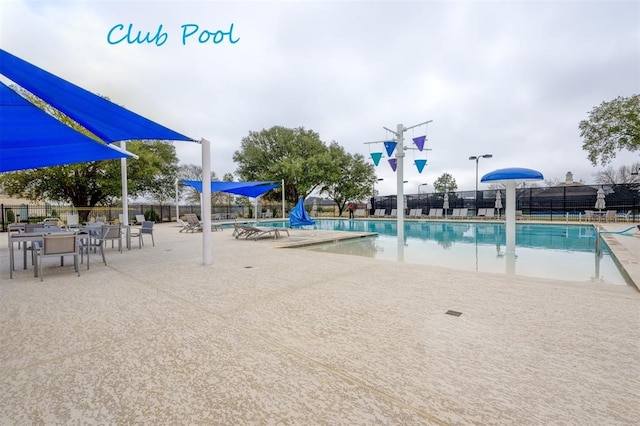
(11, 217)
(152, 215)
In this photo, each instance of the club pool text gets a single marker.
(191, 33)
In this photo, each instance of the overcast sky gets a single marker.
(507, 78)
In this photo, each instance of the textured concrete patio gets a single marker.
(270, 335)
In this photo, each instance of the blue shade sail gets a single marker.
(420, 165)
(298, 216)
(393, 162)
(247, 189)
(30, 138)
(390, 146)
(108, 121)
(376, 156)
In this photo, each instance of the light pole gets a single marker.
(420, 199)
(373, 195)
(477, 158)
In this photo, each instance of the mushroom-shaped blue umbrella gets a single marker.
(511, 177)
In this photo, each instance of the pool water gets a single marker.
(565, 252)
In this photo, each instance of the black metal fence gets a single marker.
(547, 203)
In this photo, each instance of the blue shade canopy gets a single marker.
(298, 216)
(512, 173)
(31, 138)
(247, 189)
(108, 121)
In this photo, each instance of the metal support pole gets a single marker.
(125, 195)
(400, 183)
(206, 202)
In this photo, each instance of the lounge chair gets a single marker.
(455, 214)
(393, 213)
(379, 213)
(481, 213)
(464, 213)
(184, 226)
(139, 219)
(194, 222)
(519, 215)
(255, 232)
(489, 213)
(611, 216)
(359, 213)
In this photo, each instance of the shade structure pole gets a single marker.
(510, 217)
(177, 202)
(255, 210)
(125, 194)
(400, 183)
(283, 199)
(206, 202)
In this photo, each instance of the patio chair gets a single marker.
(113, 236)
(588, 215)
(146, 229)
(519, 215)
(58, 245)
(94, 238)
(139, 219)
(611, 216)
(73, 221)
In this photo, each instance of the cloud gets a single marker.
(508, 78)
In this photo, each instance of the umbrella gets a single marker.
(445, 203)
(600, 204)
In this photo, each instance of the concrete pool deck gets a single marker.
(271, 335)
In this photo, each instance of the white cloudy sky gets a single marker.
(508, 78)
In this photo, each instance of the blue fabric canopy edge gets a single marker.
(31, 138)
(247, 189)
(512, 173)
(108, 121)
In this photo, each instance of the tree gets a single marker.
(622, 179)
(611, 127)
(194, 172)
(155, 172)
(445, 183)
(348, 177)
(296, 155)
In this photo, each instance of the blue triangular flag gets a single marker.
(394, 163)
(419, 141)
(376, 156)
(420, 164)
(390, 147)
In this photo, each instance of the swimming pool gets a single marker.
(565, 252)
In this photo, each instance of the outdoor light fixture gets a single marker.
(477, 158)
(422, 184)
